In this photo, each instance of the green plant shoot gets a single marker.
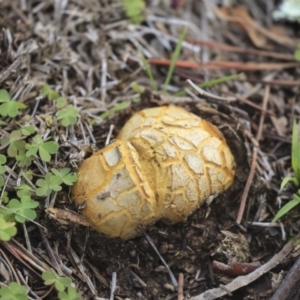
(296, 178)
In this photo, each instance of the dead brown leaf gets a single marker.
(258, 34)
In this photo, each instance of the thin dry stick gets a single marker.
(174, 281)
(290, 285)
(180, 287)
(82, 270)
(208, 95)
(142, 283)
(113, 285)
(262, 116)
(241, 281)
(111, 128)
(53, 261)
(229, 48)
(11, 269)
(101, 279)
(248, 184)
(23, 258)
(254, 156)
(26, 238)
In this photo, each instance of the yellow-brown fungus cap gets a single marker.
(165, 162)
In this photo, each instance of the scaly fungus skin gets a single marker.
(164, 164)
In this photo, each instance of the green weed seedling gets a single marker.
(24, 189)
(296, 178)
(2, 169)
(7, 230)
(120, 106)
(49, 184)
(42, 147)
(174, 59)
(70, 294)
(15, 142)
(24, 160)
(134, 10)
(14, 291)
(66, 114)
(53, 181)
(62, 285)
(20, 210)
(9, 107)
(27, 130)
(65, 175)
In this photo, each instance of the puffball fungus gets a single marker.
(164, 164)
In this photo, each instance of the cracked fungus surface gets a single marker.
(165, 162)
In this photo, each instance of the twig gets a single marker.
(26, 237)
(264, 224)
(53, 260)
(23, 257)
(97, 274)
(262, 116)
(235, 65)
(113, 285)
(180, 287)
(248, 183)
(250, 51)
(77, 262)
(291, 283)
(206, 94)
(8, 265)
(11, 68)
(245, 280)
(142, 283)
(111, 128)
(174, 281)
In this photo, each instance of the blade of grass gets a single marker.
(213, 82)
(120, 106)
(174, 59)
(286, 180)
(286, 208)
(148, 70)
(295, 150)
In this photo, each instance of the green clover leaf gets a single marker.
(52, 95)
(2, 160)
(7, 230)
(27, 130)
(2, 169)
(24, 190)
(4, 96)
(14, 142)
(71, 294)
(61, 102)
(134, 10)
(6, 214)
(41, 146)
(9, 107)
(24, 160)
(60, 283)
(4, 198)
(49, 93)
(49, 184)
(65, 175)
(14, 291)
(24, 208)
(67, 116)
